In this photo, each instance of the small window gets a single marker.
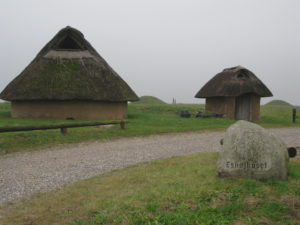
(68, 43)
(243, 74)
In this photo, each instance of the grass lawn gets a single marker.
(143, 120)
(180, 190)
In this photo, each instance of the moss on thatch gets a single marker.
(234, 81)
(68, 68)
(150, 100)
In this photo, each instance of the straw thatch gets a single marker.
(233, 81)
(68, 68)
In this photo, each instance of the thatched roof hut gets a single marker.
(68, 73)
(235, 92)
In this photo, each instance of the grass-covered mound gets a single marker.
(180, 191)
(278, 103)
(149, 100)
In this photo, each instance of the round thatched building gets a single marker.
(68, 79)
(236, 93)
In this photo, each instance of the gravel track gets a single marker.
(23, 174)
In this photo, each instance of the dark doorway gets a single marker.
(242, 107)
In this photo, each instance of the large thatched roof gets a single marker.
(234, 81)
(68, 68)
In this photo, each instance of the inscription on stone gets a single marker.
(246, 165)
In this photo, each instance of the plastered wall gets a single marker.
(69, 109)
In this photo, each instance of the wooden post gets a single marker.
(64, 130)
(122, 124)
(294, 115)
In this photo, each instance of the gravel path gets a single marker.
(23, 174)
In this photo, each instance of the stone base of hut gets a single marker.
(69, 109)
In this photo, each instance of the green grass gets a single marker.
(180, 190)
(143, 120)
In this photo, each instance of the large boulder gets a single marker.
(251, 151)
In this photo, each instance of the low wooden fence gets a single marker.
(63, 127)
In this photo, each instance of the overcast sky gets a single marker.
(165, 48)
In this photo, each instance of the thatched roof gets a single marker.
(68, 68)
(233, 81)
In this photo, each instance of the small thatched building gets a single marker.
(68, 79)
(236, 93)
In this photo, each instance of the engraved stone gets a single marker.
(251, 151)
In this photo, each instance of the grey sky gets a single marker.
(165, 48)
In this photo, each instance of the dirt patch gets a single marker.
(252, 202)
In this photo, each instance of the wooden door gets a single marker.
(242, 107)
